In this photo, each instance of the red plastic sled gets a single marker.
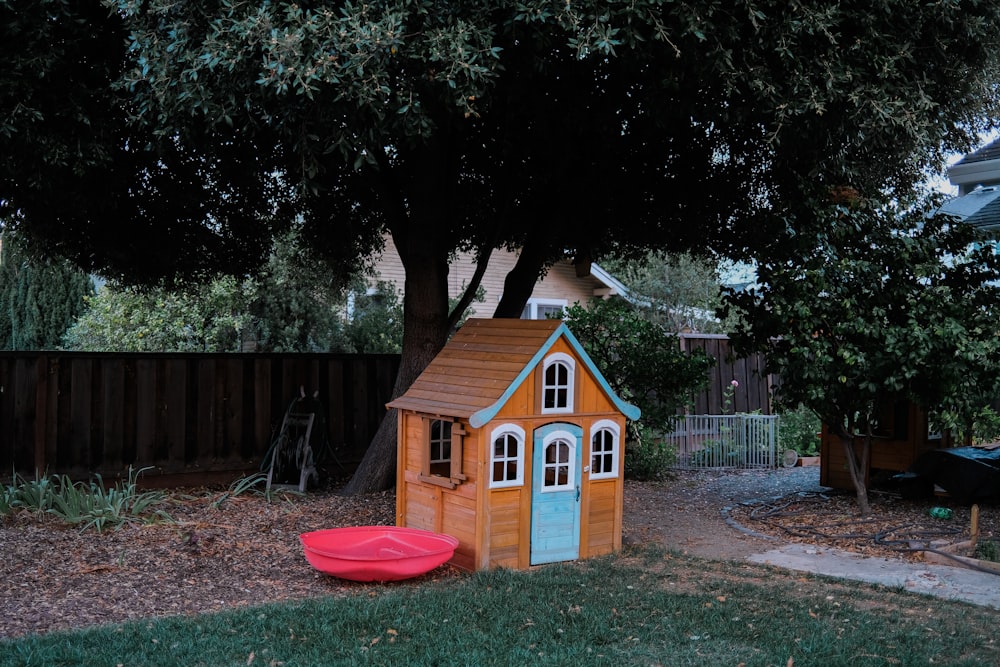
(377, 553)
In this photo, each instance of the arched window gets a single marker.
(605, 438)
(559, 462)
(558, 373)
(507, 458)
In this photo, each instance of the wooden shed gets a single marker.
(512, 441)
(903, 435)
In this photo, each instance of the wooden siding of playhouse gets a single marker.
(474, 372)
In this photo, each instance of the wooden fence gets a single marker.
(201, 414)
(85, 413)
(720, 397)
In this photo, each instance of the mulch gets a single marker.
(895, 528)
(217, 552)
(220, 551)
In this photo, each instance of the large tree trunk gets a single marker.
(521, 280)
(425, 331)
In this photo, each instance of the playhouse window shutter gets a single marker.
(443, 446)
(457, 443)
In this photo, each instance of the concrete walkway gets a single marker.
(945, 581)
(954, 583)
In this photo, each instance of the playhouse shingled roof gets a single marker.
(483, 365)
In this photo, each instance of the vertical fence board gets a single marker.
(22, 413)
(174, 413)
(113, 413)
(233, 406)
(145, 410)
(130, 408)
(263, 415)
(334, 401)
(48, 381)
(358, 391)
(207, 444)
(81, 382)
(8, 454)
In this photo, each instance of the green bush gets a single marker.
(799, 430)
(988, 550)
(647, 457)
(641, 362)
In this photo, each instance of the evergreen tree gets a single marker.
(39, 298)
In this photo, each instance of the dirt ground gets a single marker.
(221, 552)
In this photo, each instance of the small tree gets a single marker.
(677, 290)
(875, 307)
(40, 297)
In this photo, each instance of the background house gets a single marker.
(560, 288)
(977, 176)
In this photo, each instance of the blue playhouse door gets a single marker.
(557, 465)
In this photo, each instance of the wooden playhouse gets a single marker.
(512, 441)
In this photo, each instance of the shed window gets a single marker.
(558, 383)
(604, 447)
(507, 457)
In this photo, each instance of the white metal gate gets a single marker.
(725, 441)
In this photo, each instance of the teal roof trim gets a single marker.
(485, 415)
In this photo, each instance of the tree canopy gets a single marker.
(555, 127)
(885, 306)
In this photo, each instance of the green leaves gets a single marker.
(86, 504)
(642, 362)
(881, 305)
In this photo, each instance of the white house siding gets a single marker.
(559, 284)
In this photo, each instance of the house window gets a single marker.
(557, 383)
(439, 454)
(559, 461)
(443, 445)
(604, 447)
(507, 459)
(542, 309)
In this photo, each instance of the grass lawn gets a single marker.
(645, 607)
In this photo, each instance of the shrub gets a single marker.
(641, 362)
(647, 457)
(798, 429)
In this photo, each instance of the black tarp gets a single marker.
(968, 474)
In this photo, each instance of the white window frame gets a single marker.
(571, 444)
(534, 302)
(570, 364)
(502, 431)
(605, 425)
